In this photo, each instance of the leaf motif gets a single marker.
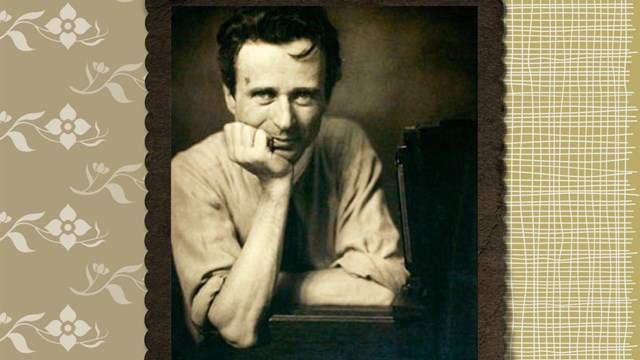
(129, 269)
(117, 294)
(140, 286)
(30, 16)
(128, 68)
(94, 345)
(93, 144)
(19, 343)
(88, 72)
(19, 242)
(31, 217)
(88, 273)
(117, 193)
(88, 173)
(31, 116)
(92, 43)
(19, 40)
(117, 92)
(30, 318)
(19, 141)
(92, 245)
(76, 291)
(129, 168)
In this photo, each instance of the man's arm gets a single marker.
(245, 297)
(247, 291)
(331, 287)
(369, 267)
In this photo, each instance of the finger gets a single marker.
(248, 133)
(228, 137)
(260, 139)
(237, 134)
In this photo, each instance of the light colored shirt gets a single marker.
(337, 196)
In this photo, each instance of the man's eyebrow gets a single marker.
(312, 90)
(262, 90)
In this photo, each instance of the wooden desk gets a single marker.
(332, 340)
(347, 333)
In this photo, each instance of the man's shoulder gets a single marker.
(341, 137)
(211, 151)
(337, 131)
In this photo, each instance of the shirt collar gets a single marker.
(303, 162)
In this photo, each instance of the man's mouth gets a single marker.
(282, 143)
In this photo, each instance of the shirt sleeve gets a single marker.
(367, 241)
(203, 241)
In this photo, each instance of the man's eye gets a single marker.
(263, 97)
(304, 98)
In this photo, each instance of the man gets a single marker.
(285, 204)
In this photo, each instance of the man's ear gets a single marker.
(229, 99)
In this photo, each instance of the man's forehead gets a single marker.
(261, 60)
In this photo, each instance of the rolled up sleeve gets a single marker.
(203, 241)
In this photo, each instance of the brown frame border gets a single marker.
(491, 168)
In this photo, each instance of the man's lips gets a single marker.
(282, 143)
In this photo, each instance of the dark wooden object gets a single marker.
(437, 182)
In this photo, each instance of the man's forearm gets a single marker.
(331, 287)
(246, 294)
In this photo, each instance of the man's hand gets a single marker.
(248, 147)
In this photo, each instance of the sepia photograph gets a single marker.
(324, 197)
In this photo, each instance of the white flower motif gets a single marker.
(4, 318)
(68, 126)
(68, 227)
(67, 328)
(4, 218)
(4, 17)
(4, 117)
(100, 269)
(68, 26)
(100, 168)
(100, 67)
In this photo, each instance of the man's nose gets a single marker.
(283, 116)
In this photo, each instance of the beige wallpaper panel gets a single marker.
(71, 179)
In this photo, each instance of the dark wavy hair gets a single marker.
(279, 25)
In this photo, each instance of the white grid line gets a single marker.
(568, 195)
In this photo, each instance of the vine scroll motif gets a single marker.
(67, 331)
(67, 29)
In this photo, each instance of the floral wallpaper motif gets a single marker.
(67, 230)
(67, 130)
(67, 29)
(96, 284)
(115, 89)
(61, 143)
(66, 330)
(115, 189)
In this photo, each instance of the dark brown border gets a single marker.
(491, 150)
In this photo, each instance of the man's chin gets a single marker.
(291, 155)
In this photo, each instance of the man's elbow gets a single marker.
(239, 339)
(385, 296)
(238, 333)
(374, 294)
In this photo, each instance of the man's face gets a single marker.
(279, 94)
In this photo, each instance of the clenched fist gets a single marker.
(248, 147)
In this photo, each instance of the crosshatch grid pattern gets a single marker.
(568, 193)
